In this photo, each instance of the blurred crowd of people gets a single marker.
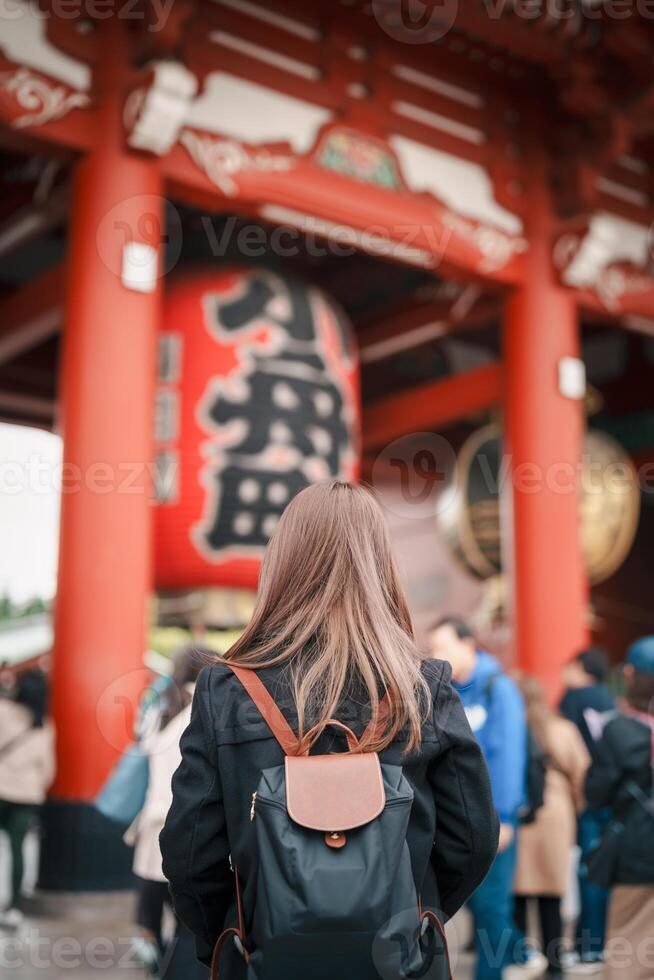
(27, 768)
(572, 786)
(574, 791)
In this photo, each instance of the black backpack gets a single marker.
(537, 763)
(335, 893)
(624, 854)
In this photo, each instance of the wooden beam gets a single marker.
(634, 301)
(72, 127)
(26, 405)
(31, 314)
(430, 406)
(414, 229)
(34, 220)
(417, 325)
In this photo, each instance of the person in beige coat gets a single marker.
(27, 767)
(545, 846)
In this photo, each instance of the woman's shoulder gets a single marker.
(218, 674)
(438, 675)
(229, 710)
(216, 685)
(232, 716)
(218, 680)
(443, 721)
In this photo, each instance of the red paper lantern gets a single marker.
(258, 396)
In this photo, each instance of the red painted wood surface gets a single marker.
(431, 406)
(108, 391)
(544, 433)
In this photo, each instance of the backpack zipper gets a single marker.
(253, 806)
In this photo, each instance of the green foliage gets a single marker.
(166, 639)
(11, 611)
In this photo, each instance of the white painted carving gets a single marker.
(614, 283)
(43, 100)
(224, 159)
(251, 113)
(609, 241)
(495, 247)
(155, 115)
(465, 187)
(24, 41)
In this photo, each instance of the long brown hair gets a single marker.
(330, 606)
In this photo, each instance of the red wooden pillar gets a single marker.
(544, 432)
(107, 388)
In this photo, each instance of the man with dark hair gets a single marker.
(586, 693)
(585, 701)
(496, 713)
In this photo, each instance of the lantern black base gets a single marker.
(82, 851)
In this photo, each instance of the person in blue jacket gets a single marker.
(496, 713)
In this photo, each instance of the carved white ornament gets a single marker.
(44, 100)
(223, 159)
(613, 283)
(611, 258)
(24, 41)
(495, 247)
(154, 116)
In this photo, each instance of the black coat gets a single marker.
(623, 757)
(453, 829)
(577, 700)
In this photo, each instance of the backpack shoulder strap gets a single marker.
(273, 716)
(268, 707)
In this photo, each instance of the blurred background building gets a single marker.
(247, 245)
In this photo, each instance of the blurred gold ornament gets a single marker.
(469, 508)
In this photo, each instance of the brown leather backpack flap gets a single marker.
(334, 792)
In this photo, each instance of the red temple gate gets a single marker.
(490, 155)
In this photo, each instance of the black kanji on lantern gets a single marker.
(288, 412)
(254, 304)
(249, 504)
(306, 415)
